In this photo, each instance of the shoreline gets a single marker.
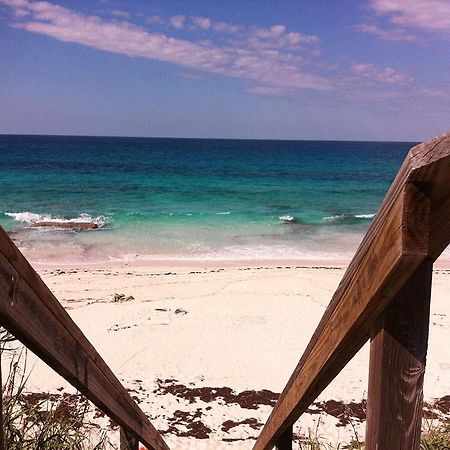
(442, 263)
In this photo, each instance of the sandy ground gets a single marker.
(206, 351)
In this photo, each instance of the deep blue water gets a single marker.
(197, 198)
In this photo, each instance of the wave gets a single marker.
(225, 213)
(30, 218)
(365, 216)
(348, 217)
(287, 219)
(238, 253)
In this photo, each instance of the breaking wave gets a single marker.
(30, 218)
(349, 218)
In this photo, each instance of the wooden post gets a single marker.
(128, 441)
(397, 365)
(285, 440)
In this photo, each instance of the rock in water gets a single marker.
(72, 225)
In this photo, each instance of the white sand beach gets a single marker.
(205, 351)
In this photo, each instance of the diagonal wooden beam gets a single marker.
(2, 426)
(409, 227)
(31, 313)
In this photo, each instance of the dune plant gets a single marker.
(436, 437)
(40, 421)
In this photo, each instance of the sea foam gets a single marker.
(30, 218)
(343, 217)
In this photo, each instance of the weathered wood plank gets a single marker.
(30, 311)
(285, 440)
(128, 441)
(397, 366)
(430, 164)
(385, 259)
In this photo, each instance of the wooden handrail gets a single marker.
(30, 311)
(411, 226)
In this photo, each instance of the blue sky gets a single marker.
(286, 69)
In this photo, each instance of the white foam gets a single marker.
(365, 216)
(236, 253)
(344, 216)
(225, 213)
(287, 219)
(30, 218)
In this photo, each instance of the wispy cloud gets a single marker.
(271, 91)
(383, 86)
(396, 34)
(371, 72)
(275, 37)
(431, 16)
(120, 14)
(178, 21)
(426, 14)
(194, 23)
(272, 65)
(272, 61)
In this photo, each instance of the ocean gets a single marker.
(161, 199)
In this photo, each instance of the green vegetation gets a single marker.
(43, 421)
(436, 437)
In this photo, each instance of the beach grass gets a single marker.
(42, 421)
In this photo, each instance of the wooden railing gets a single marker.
(33, 315)
(385, 295)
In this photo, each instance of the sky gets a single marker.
(253, 69)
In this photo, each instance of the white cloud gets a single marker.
(269, 67)
(193, 23)
(386, 75)
(202, 22)
(271, 91)
(120, 14)
(271, 61)
(436, 92)
(277, 37)
(223, 27)
(396, 34)
(432, 15)
(177, 21)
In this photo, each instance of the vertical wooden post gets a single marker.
(128, 441)
(285, 440)
(398, 352)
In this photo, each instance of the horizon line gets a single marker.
(205, 138)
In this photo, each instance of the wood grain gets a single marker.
(397, 366)
(411, 225)
(31, 312)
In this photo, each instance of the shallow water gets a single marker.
(192, 198)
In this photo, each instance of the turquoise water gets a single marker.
(192, 198)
